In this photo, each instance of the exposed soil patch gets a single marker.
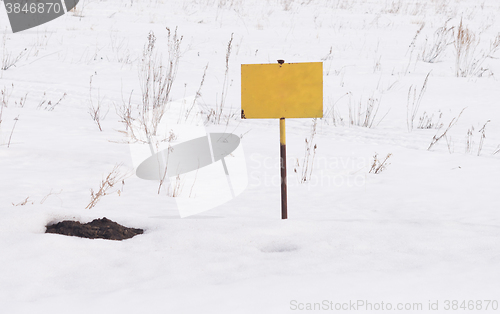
(98, 228)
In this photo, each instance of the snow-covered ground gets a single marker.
(425, 229)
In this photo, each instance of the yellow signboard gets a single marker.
(285, 90)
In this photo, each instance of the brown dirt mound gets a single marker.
(98, 228)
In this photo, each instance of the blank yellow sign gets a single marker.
(288, 90)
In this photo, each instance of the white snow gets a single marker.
(425, 229)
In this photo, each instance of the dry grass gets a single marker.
(12, 132)
(465, 45)
(365, 114)
(497, 150)
(156, 79)
(442, 38)
(24, 202)
(482, 137)
(48, 105)
(309, 154)
(215, 115)
(427, 121)
(469, 140)
(360, 113)
(95, 108)
(4, 99)
(198, 93)
(175, 188)
(413, 102)
(379, 165)
(48, 195)
(113, 178)
(5, 94)
(468, 60)
(8, 58)
(333, 113)
(437, 137)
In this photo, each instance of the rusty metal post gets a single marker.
(284, 213)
